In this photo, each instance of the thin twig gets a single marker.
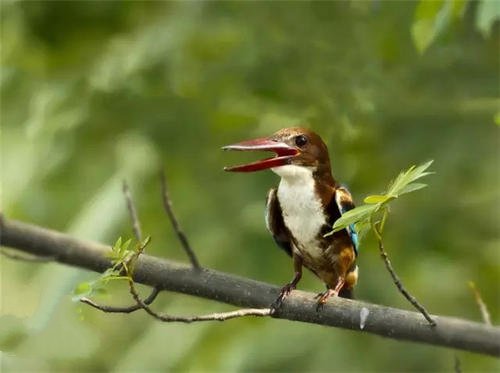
(484, 313)
(482, 306)
(110, 309)
(396, 278)
(131, 262)
(219, 316)
(167, 205)
(26, 258)
(136, 226)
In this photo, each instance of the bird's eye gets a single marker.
(300, 140)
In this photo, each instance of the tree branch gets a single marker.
(483, 308)
(395, 278)
(222, 287)
(25, 258)
(167, 205)
(136, 227)
(111, 309)
(132, 212)
(221, 316)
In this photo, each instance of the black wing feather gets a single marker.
(275, 223)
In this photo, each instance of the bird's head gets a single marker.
(292, 147)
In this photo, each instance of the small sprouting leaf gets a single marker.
(376, 198)
(121, 258)
(110, 272)
(125, 245)
(83, 289)
(120, 251)
(117, 245)
(144, 243)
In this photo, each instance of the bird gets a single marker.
(301, 211)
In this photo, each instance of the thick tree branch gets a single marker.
(222, 287)
(25, 257)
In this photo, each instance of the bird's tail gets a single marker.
(346, 292)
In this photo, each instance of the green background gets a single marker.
(94, 92)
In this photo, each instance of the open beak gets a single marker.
(283, 153)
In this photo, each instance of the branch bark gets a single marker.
(231, 289)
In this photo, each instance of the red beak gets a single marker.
(283, 153)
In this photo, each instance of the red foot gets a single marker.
(323, 297)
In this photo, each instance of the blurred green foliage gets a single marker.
(94, 92)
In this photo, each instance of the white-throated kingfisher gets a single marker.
(302, 210)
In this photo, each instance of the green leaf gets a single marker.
(120, 251)
(488, 11)
(432, 18)
(83, 289)
(407, 177)
(376, 198)
(125, 245)
(424, 29)
(411, 188)
(418, 171)
(353, 216)
(362, 228)
(403, 184)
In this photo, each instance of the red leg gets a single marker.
(323, 297)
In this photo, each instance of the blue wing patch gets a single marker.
(344, 203)
(354, 237)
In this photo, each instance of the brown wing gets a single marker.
(275, 223)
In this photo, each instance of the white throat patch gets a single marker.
(302, 209)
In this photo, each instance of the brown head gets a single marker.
(292, 146)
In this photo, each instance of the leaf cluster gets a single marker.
(363, 216)
(121, 256)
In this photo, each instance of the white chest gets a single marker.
(302, 209)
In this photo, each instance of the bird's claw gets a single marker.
(323, 297)
(285, 292)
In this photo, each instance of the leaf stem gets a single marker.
(382, 223)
